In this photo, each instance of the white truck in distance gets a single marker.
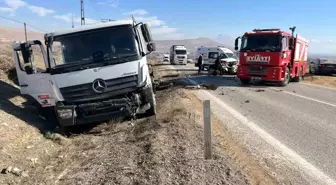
(178, 55)
(210, 54)
(92, 72)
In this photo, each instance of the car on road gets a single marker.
(324, 66)
(166, 59)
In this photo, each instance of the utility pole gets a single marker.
(72, 21)
(25, 30)
(82, 13)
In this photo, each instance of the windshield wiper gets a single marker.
(74, 64)
(110, 60)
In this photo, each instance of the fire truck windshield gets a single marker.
(261, 43)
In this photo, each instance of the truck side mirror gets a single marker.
(236, 43)
(26, 52)
(291, 43)
(151, 46)
(146, 32)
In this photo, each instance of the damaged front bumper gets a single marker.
(84, 113)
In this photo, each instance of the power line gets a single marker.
(22, 23)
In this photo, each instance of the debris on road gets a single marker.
(260, 90)
(247, 101)
(210, 86)
(14, 170)
(170, 75)
(193, 87)
(222, 93)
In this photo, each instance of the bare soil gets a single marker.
(326, 80)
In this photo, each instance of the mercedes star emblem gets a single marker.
(99, 85)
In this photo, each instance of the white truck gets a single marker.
(210, 54)
(93, 72)
(178, 54)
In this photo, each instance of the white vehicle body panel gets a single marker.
(89, 75)
(210, 54)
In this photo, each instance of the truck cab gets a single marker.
(92, 72)
(272, 55)
(178, 55)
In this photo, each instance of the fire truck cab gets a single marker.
(272, 55)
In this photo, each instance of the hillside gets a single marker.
(11, 34)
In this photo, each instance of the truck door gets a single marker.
(31, 63)
(286, 53)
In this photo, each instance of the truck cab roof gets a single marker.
(90, 27)
(274, 31)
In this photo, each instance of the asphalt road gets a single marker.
(301, 117)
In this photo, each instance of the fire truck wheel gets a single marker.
(287, 78)
(299, 78)
(245, 81)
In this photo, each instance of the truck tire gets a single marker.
(299, 78)
(287, 78)
(49, 114)
(233, 71)
(245, 81)
(153, 85)
(151, 100)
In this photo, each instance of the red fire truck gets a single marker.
(272, 55)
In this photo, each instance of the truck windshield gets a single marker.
(115, 45)
(261, 43)
(180, 52)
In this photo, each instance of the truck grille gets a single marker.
(180, 57)
(114, 87)
(257, 70)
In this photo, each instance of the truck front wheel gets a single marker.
(152, 101)
(286, 79)
(245, 81)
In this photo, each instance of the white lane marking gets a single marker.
(305, 97)
(320, 86)
(289, 153)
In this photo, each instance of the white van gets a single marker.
(166, 58)
(211, 53)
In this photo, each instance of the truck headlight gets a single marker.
(65, 113)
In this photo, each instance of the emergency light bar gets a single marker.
(264, 30)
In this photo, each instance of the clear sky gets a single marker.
(178, 19)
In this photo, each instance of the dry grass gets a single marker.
(327, 81)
